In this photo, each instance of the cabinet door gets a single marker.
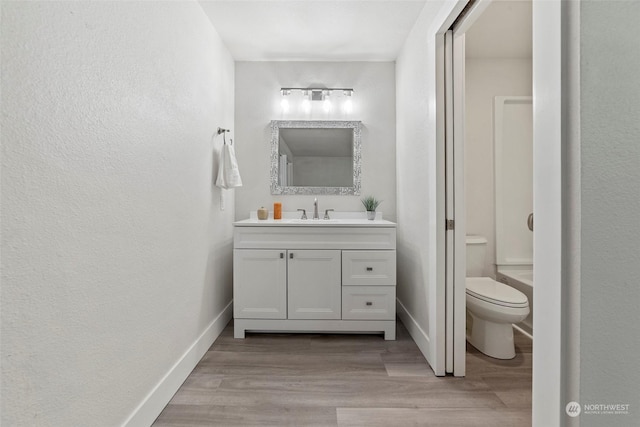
(314, 284)
(259, 284)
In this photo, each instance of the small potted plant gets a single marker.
(370, 204)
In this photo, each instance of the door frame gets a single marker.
(453, 61)
(548, 370)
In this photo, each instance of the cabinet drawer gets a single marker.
(368, 302)
(369, 268)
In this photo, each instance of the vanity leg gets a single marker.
(238, 332)
(390, 332)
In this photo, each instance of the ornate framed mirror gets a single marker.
(315, 157)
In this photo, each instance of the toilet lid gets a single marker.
(489, 290)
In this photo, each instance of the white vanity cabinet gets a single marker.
(337, 276)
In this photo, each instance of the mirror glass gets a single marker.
(315, 157)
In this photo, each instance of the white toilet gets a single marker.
(493, 306)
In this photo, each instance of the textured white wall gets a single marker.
(610, 236)
(486, 79)
(115, 255)
(258, 102)
(417, 197)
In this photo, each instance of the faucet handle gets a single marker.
(326, 213)
(304, 214)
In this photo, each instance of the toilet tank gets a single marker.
(476, 250)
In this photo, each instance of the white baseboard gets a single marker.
(416, 332)
(523, 332)
(153, 404)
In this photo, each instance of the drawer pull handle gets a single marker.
(291, 255)
(369, 268)
(369, 303)
(281, 255)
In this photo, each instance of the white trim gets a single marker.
(436, 286)
(548, 408)
(572, 198)
(450, 200)
(417, 333)
(471, 16)
(523, 332)
(459, 302)
(388, 327)
(153, 404)
(447, 15)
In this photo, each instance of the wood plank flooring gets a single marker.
(347, 380)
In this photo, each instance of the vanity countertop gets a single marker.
(295, 222)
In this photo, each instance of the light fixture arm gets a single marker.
(287, 90)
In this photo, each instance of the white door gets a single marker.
(315, 284)
(455, 245)
(455, 240)
(259, 284)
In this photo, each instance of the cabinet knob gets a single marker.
(369, 303)
(369, 268)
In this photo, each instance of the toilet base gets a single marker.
(491, 338)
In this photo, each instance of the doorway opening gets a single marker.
(487, 96)
(547, 95)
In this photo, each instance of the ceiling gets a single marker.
(504, 30)
(354, 30)
(313, 30)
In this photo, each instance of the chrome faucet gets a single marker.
(315, 209)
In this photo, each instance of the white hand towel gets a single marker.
(228, 172)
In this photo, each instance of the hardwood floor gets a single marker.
(347, 380)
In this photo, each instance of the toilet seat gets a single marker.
(487, 289)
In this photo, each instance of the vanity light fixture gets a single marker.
(311, 94)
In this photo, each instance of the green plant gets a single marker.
(370, 203)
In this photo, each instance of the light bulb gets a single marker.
(348, 106)
(285, 105)
(306, 103)
(326, 104)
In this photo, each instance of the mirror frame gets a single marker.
(276, 125)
